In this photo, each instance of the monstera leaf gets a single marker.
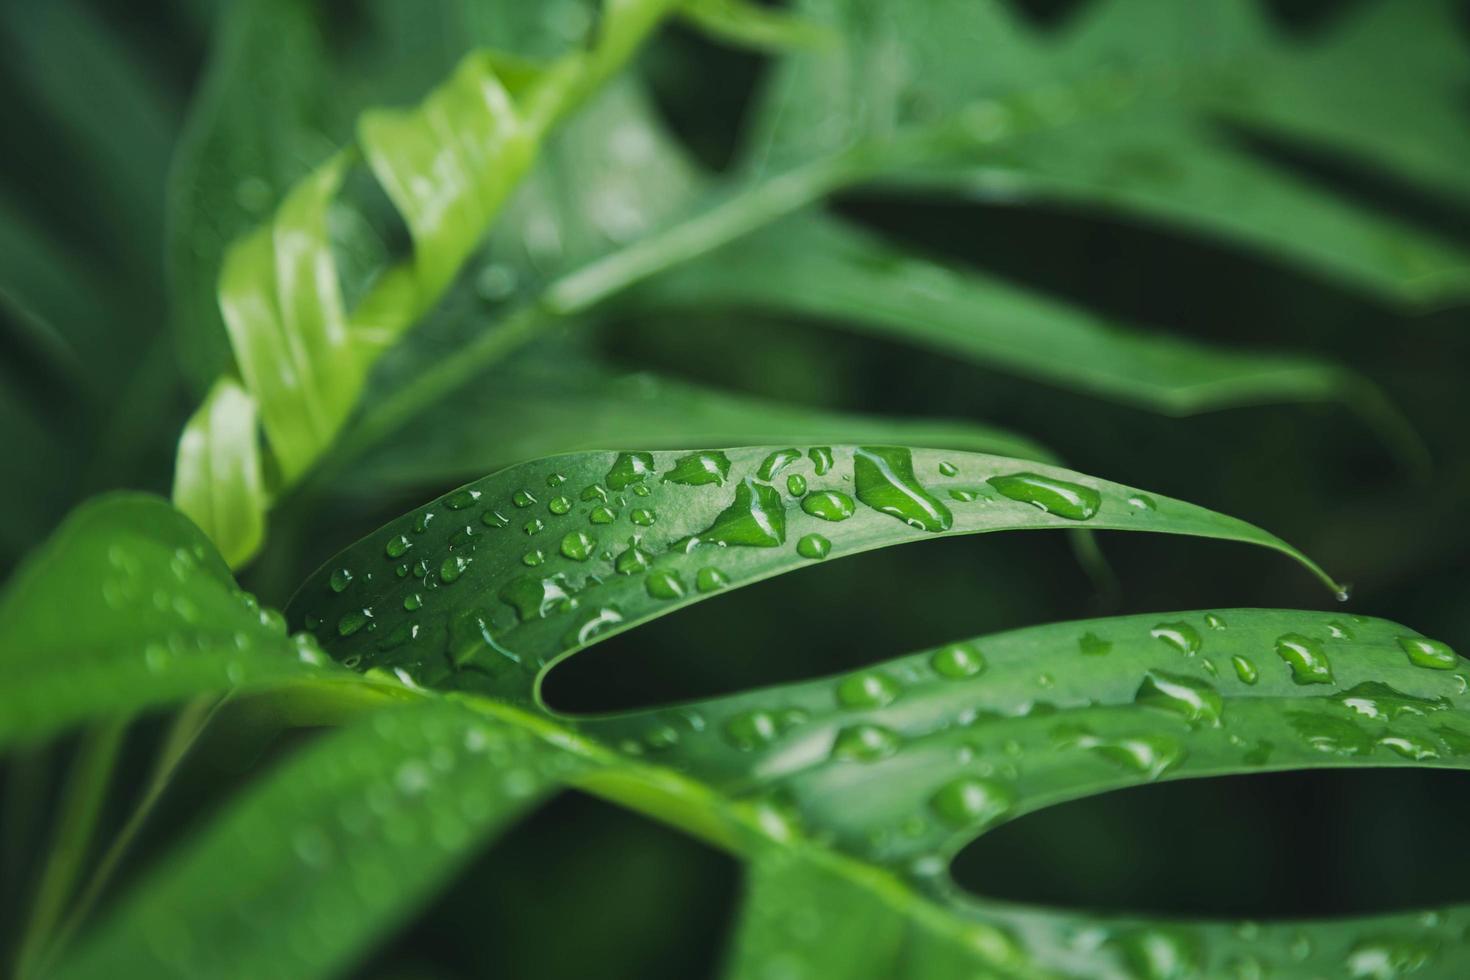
(847, 795)
(576, 237)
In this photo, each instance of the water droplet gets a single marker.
(461, 499)
(353, 621)
(1333, 735)
(776, 462)
(971, 801)
(750, 729)
(796, 484)
(453, 567)
(870, 689)
(946, 468)
(396, 546)
(593, 625)
(1388, 958)
(1141, 501)
(1338, 631)
(555, 480)
(413, 601)
(341, 578)
(865, 743)
(1424, 652)
(601, 515)
(1158, 954)
(756, 518)
(710, 579)
(821, 457)
(559, 505)
(1149, 755)
(422, 520)
(664, 584)
(1410, 747)
(1306, 658)
(1193, 699)
(632, 559)
(628, 469)
(493, 518)
(533, 597)
(534, 526)
(884, 480)
(578, 546)
(829, 505)
(1093, 645)
(699, 469)
(1070, 500)
(957, 660)
(813, 546)
(642, 516)
(533, 557)
(1180, 636)
(1214, 622)
(1244, 669)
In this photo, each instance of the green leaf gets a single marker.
(1121, 109)
(970, 735)
(486, 586)
(127, 607)
(315, 864)
(217, 478)
(821, 267)
(448, 165)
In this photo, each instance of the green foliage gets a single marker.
(442, 243)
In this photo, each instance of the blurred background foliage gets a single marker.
(98, 101)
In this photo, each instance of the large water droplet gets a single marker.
(578, 545)
(453, 567)
(698, 469)
(1070, 500)
(972, 802)
(664, 584)
(870, 689)
(397, 545)
(776, 462)
(1244, 669)
(756, 518)
(1181, 636)
(865, 743)
(751, 729)
(710, 579)
(821, 457)
(883, 477)
(628, 469)
(1424, 652)
(813, 546)
(829, 505)
(957, 660)
(1195, 700)
(1336, 736)
(1306, 658)
(796, 484)
(340, 579)
(533, 597)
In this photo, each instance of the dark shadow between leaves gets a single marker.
(1286, 845)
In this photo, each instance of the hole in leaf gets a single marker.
(1307, 18)
(830, 617)
(1048, 14)
(660, 907)
(1332, 842)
